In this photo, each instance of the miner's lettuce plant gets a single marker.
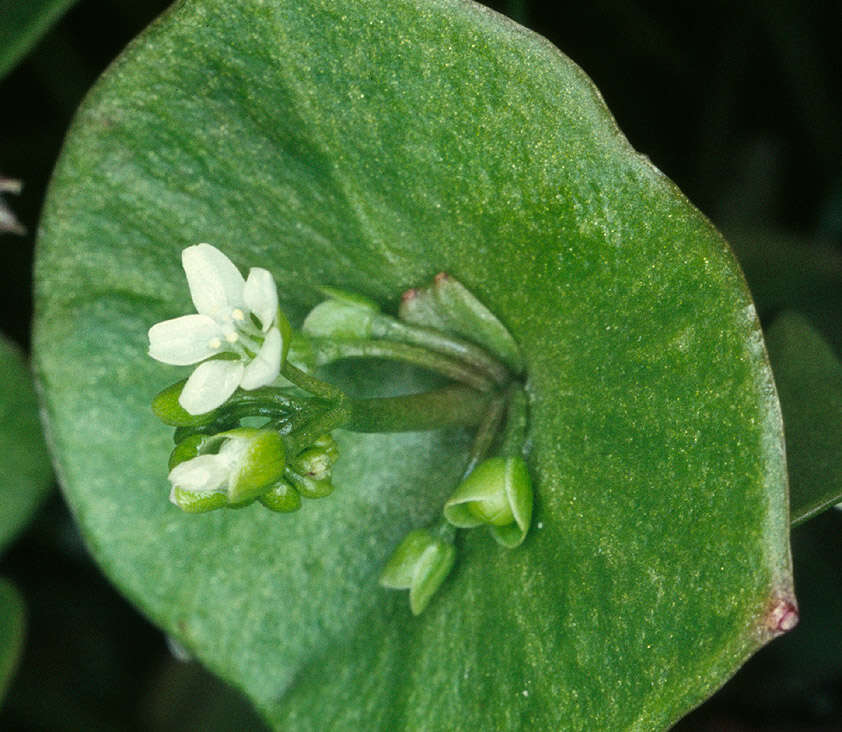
(352, 151)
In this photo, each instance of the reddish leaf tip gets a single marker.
(782, 617)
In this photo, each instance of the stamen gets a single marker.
(232, 337)
(215, 343)
(238, 315)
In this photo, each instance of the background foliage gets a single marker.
(737, 106)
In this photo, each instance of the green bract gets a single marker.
(368, 146)
(498, 492)
(420, 564)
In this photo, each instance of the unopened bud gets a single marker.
(497, 493)
(420, 564)
(282, 497)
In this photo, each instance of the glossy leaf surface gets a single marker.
(367, 146)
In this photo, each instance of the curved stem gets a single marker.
(311, 384)
(328, 350)
(514, 434)
(486, 432)
(390, 328)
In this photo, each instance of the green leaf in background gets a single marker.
(22, 24)
(25, 470)
(367, 146)
(809, 379)
(12, 626)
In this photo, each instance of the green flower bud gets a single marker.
(317, 460)
(344, 315)
(166, 408)
(239, 465)
(281, 497)
(328, 444)
(420, 564)
(309, 487)
(497, 493)
(313, 463)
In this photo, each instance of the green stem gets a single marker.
(384, 326)
(332, 418)
(327, 350)
(514, 434)
(450, 406)
(311, 384)
(486, 432)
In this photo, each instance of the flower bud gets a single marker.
(344, 315)
(309, 487)
(420, 564)
(317, 460)
(238, 465)
(497, 493)
(281, 497)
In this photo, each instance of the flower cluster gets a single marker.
(242, 438)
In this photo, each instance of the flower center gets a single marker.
(239, 335)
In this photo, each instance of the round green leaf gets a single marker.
(25, 470)
(367, 146)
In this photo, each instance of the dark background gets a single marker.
(741, 106)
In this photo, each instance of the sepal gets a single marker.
(497, 493)
(191, 502)
(260, 461)
(166, 407)
(420, 564)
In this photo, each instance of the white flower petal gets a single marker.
(266, 366)
(216, 285)
(201, 474)
(210, 385)
(261, 296)
(185, 340)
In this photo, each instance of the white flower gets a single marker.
(236, 319)
(247, 462)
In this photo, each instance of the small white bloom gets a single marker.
(248, 461)
(209, 473)
(236, 319)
